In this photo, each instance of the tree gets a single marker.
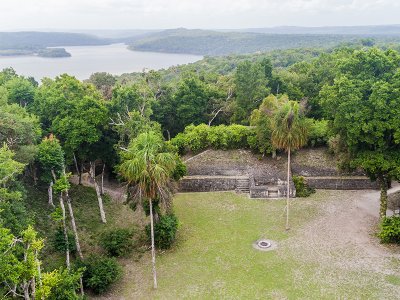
(77, 114)
(251, 89)
(104, 82)
(51, 158)
(149, 169)
(289, 133)
(263, 120)
(363, 107)
(20, 91)
(21, 275)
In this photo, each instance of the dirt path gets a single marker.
(114, 190)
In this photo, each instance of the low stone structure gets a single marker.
(208, 183)
(341, 183)
(264, 177)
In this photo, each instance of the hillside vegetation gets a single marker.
(213, 43)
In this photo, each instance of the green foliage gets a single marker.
(9, 168)
(62, 184)
(251, 89)
(20, 91)
(364, 113)
(74, 111)
(100, 273)
(290, 130)
(18, 128)
(180, 170)
(318, 134)
(117, 242)
(58, 241)
(164, 231)
(147, 165)
(51, 158)
(198, 138)
(60, 285)
(262, 119)
(302, 189)
(18, 263)
(390, 230)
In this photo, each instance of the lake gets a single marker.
(85, 60)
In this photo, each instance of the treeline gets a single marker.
(213, 43)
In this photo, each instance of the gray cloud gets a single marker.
(18, 14)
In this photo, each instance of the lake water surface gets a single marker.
(85, 60)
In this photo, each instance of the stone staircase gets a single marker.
(243, 185)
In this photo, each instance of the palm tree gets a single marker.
(289, 133)
(145, 165)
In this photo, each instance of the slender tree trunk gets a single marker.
(274, 153)
(80, 175)
(73, 224)
(77, 169)
(102, 180)
(288, 191)
(50, 192)
(384, 196)
(153, 252)
(96, 186)
(65, 232)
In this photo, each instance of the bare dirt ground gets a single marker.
(342, 240)
(116, 191)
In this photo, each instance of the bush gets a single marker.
(117, 242)
(198, 138)
(180, 170)
(318, 134)
(390, 230)
(164, 231)
(302, 189)
(100, 273)
(58, 241)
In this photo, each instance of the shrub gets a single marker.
(58, 241)
(180, 170)
(198, 138)
(100, 273)
(318, 132)
(164, 231)
(117, 242)
(302, 189)
(390, 230)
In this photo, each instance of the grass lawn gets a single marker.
(214, 258)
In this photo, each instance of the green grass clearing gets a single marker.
(214, 259)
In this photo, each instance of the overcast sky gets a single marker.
(147, 14)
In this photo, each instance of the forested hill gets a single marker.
(214, 43)
(39, 40)
(357, 30)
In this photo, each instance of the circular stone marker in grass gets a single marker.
(264, 245)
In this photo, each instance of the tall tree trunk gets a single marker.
(65, 232)
(96, 186)
(383, 181)
(77, 169)
(73, 224)
(80, 174)
(50, 192)
(102, 180)
(288, 191)
(153, 252)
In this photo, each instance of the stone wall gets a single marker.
(341, 183)
(207, 183)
